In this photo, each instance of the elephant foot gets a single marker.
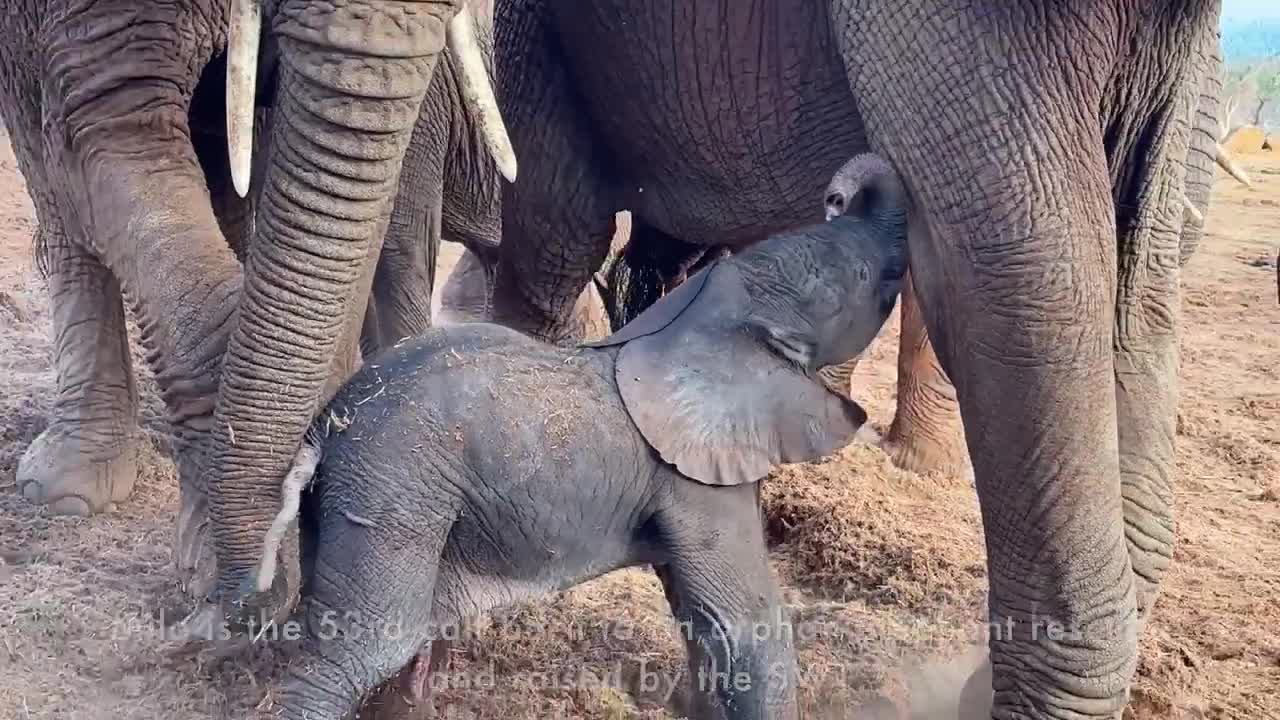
(74, 476)
(920, 453)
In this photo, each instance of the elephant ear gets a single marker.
(718, 392)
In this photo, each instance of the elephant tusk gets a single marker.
(1191, 208)
(478, 92)
(242, 71)
(1230, 166)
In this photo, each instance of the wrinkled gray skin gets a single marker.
(926, 434)
(644, 448)
(350, 82)
(449, 189)
(96, 106)
(467, 296)
(115, 113)
(1041, 146)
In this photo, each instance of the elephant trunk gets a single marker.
(352, 78)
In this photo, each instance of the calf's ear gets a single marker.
(718, 392)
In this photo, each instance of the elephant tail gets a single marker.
(295, 481)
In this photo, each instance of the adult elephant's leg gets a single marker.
(650, 264)
(557, 222)
(1156, 237)
(88, 457)
(148, 216)
(405, 274)
(117, 144)
(1014, 228)
(926, 434)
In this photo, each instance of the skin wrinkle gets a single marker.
(301, 208)
(395, 29)
(310, 173)
(550, 97)
(997, 589)
(315, 158)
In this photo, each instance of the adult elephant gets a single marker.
(104, 101)
(1041, 145)
(926, 433)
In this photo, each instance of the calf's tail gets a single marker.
(295, 481)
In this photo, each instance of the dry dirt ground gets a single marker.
(883, 569)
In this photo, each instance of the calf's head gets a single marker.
(720, 374)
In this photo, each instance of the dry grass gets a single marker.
(841, 523)
(1244, 140)
(882, 569)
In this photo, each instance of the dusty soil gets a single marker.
(883, 569)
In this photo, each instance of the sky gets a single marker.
(1250, 9)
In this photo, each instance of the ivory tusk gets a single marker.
(1191, 208)
(1230, 166)
(478, 92)
(242, 70)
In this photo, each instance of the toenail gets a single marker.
(31, 490)
(71, 505)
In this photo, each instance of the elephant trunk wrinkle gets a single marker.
(337, 149)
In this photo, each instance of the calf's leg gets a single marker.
(727, 604)
(371, 563)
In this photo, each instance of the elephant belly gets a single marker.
(545, 546)
(733, 116)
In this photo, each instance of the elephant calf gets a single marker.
(474, 467)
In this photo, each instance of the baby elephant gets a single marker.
(474, 467)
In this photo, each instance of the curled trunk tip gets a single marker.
(864, 186)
